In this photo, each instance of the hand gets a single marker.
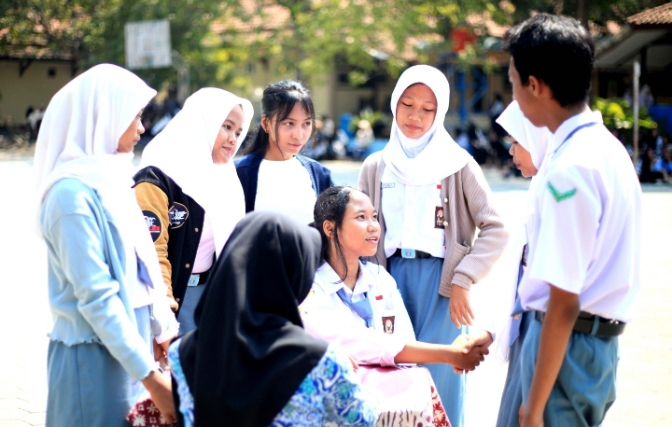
(482, 339)
(529, 420)
(470, 360)
(460, 309)
(160, 389)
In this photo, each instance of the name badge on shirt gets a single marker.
(438, 217)
(388, 184)
(388, 324)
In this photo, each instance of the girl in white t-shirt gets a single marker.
(273, 174)
(357, 304)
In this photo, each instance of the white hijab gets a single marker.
(534, 139)
(78, 139)
(439, 155)
(183, 151)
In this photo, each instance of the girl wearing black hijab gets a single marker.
(249, 362)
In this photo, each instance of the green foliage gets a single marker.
(597, 11)
(618, 114)
(369, 116)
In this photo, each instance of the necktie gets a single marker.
(361, 308)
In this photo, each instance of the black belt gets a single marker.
(411, 254)
(592, 324)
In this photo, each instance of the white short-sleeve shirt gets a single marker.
(325, 316)
(584, 234)
(285, 187)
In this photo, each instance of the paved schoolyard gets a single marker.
(645, 372)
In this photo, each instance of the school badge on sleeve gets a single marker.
(153, 224)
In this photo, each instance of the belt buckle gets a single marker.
(193, 280)
(408, 253)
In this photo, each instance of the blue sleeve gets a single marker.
(76, 242)
(345, 403)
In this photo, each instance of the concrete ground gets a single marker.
(645, 371)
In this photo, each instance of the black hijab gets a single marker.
(249, 353)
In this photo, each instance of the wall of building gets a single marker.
(40, 81)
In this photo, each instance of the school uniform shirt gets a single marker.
(588, 242)
(325, 316)
(415, 216)
(285, 187)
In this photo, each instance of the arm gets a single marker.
(453, 354)
(77, 242)
(492, 236)
(154, 204)
(563, 309)
(487, 248)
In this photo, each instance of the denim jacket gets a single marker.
(88, 288)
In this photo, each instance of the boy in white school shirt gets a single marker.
(583, 239)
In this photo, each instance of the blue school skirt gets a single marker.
(586, 385)
(88, 387)
(418, 281)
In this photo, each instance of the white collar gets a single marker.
(330, 282)
(569, 125)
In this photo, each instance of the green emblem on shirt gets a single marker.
(559, 196)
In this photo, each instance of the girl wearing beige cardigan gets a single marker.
(422, 175)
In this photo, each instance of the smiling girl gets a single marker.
(189, 192)
(356, 304)
(431, 196)
(273, 175)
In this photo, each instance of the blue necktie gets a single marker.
(361, 308)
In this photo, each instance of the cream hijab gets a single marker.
(78, 139)
(439, 155)
(183, 151)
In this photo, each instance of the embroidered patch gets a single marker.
(438, 217)
(153, 224)
(177, 214)
(560, 196)
(388, 324)
(388, 184)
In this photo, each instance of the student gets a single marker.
(356, 304)
(582, 266)
(190, 194)
(249, 363)
(105, 289)
(274, 176)
(528, 150)
(430, 196)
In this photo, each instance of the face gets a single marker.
(131, 136)
(227, 138)
(524, 95)
(522, 160)
(416, 111)
(359, 231)
(292, 133)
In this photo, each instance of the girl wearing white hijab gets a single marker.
(529, 154)
(190, 194)
(105, 289)
(431, 196)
